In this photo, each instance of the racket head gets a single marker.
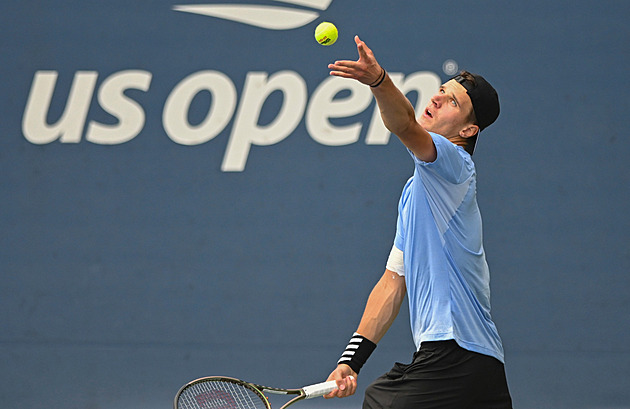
(219, 392)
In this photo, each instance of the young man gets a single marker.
(437, 257)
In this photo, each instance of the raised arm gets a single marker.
(397, 112)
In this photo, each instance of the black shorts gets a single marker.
(442, 375)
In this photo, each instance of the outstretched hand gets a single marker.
(365, 70)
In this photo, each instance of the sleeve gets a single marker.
(446, 181)
(395, 261)
(453, 163)
(399, 240)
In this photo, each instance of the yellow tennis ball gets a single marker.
(326, 33)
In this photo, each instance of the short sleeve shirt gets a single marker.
(439, 230)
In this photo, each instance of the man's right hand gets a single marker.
(346, 382)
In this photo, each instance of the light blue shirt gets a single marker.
(439, 230)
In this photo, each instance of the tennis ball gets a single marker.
(326, 33)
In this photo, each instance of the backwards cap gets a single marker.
(484, 97)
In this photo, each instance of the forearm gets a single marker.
(399, 117)
(396, 110)
(382, 306)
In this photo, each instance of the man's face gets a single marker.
(448, 110)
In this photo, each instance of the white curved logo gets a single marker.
(268, 17)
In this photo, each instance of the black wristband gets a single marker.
(357, 352)
(380, 79)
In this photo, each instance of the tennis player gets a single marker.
(437, 257)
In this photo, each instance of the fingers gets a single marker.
(365, 53)
(361, 48)
(343, 66)
(344, 69)
(364, 70)
(345, 387)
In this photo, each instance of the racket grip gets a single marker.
(319, 389)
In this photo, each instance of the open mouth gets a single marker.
(428, 113)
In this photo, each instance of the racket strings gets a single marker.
(220, 395)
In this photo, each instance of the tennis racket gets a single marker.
(221, 392)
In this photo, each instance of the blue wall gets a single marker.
(197, 207)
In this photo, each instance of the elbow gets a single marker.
(400, 127)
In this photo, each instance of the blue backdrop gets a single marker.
(187, 194)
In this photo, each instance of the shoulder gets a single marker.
(452, 162)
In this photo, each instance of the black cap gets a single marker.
(484, 97)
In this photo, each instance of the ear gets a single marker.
(468, 131)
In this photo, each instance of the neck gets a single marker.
(458, 140)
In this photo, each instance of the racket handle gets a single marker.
(319, 389)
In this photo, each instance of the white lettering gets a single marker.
(333, 102)
(129, 113)
(246, 130)
(424, 83)
(69, 127)
(175, 117)
(323, 106)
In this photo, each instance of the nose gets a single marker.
(436, 99)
